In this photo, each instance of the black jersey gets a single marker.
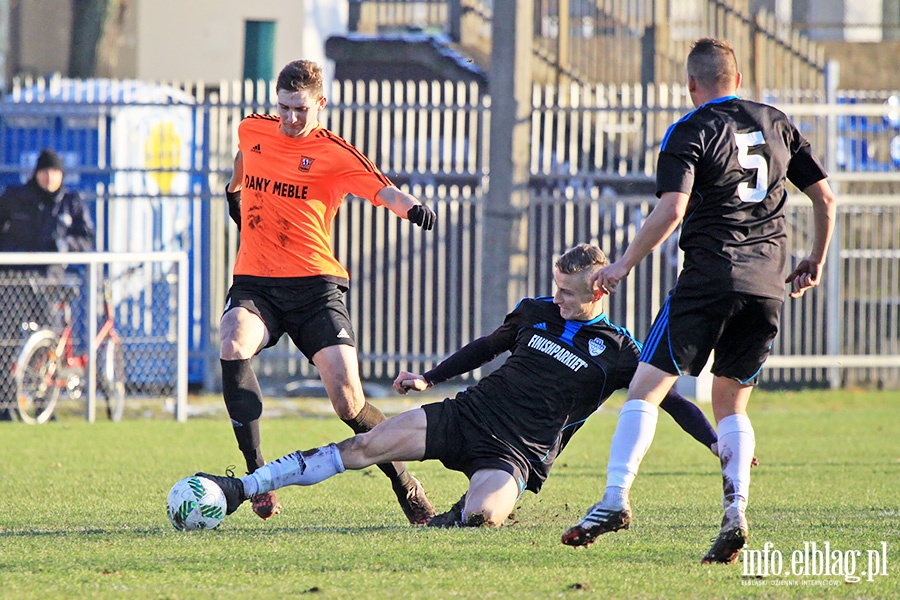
(558, 373)
(733, 158)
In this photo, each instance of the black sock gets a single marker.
(243, 400)
(365, 421)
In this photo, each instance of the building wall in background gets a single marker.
(205, 38)
(864, 65)
(42, 38)
(159, 40)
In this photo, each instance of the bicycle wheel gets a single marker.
(36, 387)
(111, 377)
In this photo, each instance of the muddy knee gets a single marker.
(484, 518)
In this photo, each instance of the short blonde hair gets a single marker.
(581, 257)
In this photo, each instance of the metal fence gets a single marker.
(846, 332)
(64, 293)
(613, 42)
(594, 135)
(415, 298)
(154, 169)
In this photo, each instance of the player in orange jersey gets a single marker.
(290, 177)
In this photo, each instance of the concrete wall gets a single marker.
(866, 66)
(43, 37)
(176, 39)
(204, 39)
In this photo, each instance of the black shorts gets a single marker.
(461, 443)
(693, 323)
(311, 311)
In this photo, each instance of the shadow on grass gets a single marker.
(568, 471)
(37, 533)
(160, 531)
(828, 464)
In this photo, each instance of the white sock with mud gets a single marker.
(297, 468)
(737, 443)
(634, 434)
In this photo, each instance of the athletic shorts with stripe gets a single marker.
(739, 327)
(455, 436)
(311, 312)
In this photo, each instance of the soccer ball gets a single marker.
(196, 503)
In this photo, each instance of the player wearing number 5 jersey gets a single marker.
(290, 177)
(722, 173)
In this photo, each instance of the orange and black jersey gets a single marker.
(733, 157)
(558, 373)
(292, 190)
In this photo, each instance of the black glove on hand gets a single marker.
(234, 205)
(422, 216)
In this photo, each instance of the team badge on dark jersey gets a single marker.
(596, 346)
(305, 163)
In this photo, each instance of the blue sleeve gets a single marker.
(689, 416)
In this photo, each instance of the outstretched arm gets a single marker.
(658, 226)
(469, 357)
(406, 206)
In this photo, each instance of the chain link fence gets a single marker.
(135, 302)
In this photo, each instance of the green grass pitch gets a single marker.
(82, 515)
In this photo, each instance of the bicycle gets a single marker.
(47, 365)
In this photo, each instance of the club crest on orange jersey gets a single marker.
(305, 163)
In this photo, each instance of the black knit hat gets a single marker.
(48, 160)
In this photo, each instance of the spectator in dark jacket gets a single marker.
(40, 216)
(43, 215)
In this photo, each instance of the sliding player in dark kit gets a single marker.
(505, 431)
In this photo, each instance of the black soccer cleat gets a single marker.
(726, 547)
(415, 503)
(728, 544)
(451, 518)
(596, 522)
(231, 487)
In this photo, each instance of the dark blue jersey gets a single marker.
(558, 373)
(733, 157)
